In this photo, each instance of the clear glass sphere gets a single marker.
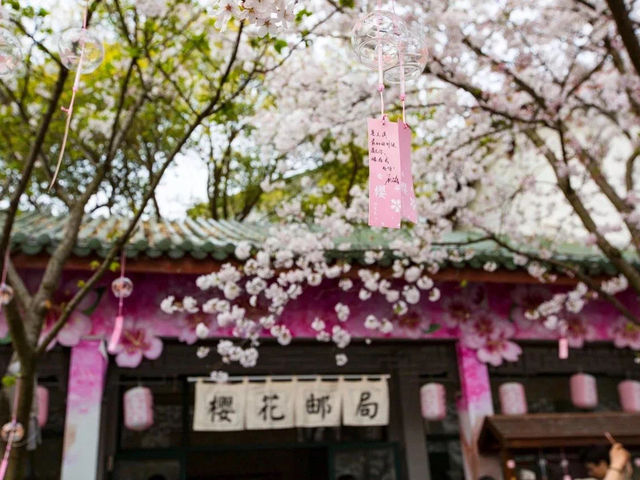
(12, 428)
(122, 287)
(71, 44)
(413, 57)
(6, 294)
(375, 32)
(10, 53)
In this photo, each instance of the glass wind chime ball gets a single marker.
(377, 32)
(8, 428)
(122, 287)
(6, 294)
(71, 44)
(414, 60)
(10, 53)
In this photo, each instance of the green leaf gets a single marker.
(8, 381)
(279, 45)
(432, 328)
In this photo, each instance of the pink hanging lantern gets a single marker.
(629, 392)
(584, 392)
(513, 400)
(42, 395)
(433, 401)
(138, 409)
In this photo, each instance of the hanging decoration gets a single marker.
(513, 400)
(10, 53)
(563, 348)
(11, 432)
(584, 391)
(42, 395)
(380, 40)
(629, 392)
(511, 469)
(122, 287)
(564, 464)
(433, 401)
(542, 465)
(138, 409)
(6, 292)
(82, 51)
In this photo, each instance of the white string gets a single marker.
(380, 72)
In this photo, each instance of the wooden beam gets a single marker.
(551, 430)
(192, 266)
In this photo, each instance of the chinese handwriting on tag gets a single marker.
(391, 195)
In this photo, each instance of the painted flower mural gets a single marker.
(138, 341)
(625, 334)
(526, 300)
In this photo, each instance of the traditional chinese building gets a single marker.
(366, 417)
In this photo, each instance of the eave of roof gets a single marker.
(207, 241)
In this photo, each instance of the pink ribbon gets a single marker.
(117, 328)
(14, 421)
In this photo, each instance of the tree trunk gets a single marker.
(25, 391)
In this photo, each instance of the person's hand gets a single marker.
(619, 457)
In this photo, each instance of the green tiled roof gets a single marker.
(35, 234)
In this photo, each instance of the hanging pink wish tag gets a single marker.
(385, 198)
(406, 177)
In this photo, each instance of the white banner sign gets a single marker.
(318, 404)
(219, 407)
(270, 405)
(365, 403)
(275, 404)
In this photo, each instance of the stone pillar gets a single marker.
(474, 405)
(87, 373)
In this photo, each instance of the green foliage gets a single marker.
(9, 381)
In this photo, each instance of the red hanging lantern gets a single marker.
(42, 395)
(138, 409)
(433, 401)
(584, 391)
(513, 400)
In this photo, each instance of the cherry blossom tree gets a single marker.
(170, 75)
(525, 131)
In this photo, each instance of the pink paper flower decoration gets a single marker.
(137, 342)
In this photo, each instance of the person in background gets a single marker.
(607, 464)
